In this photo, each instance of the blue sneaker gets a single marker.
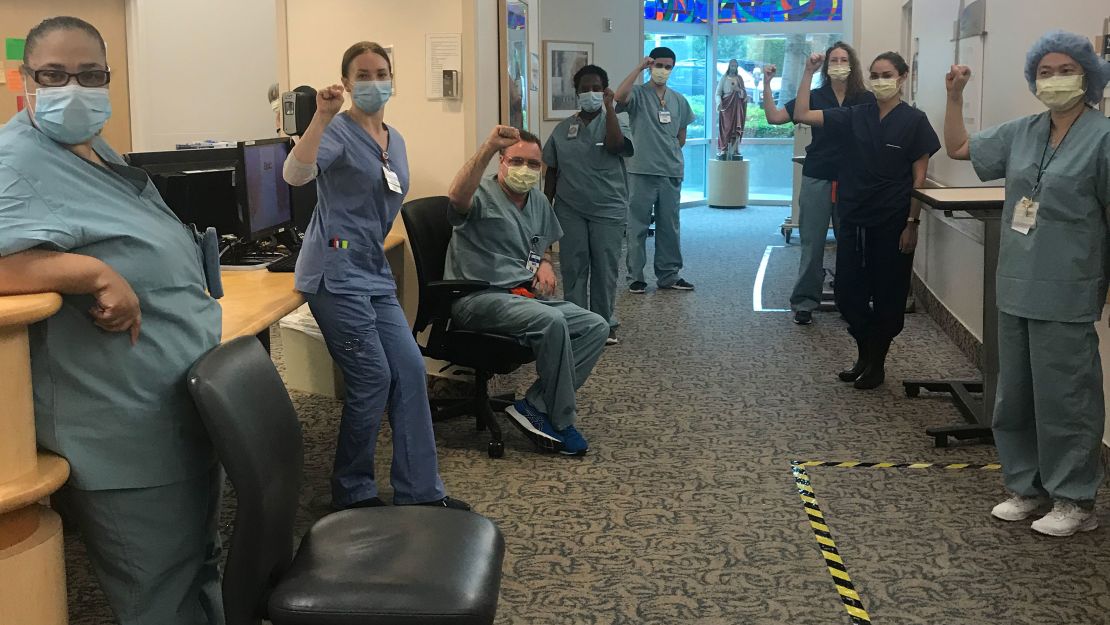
(535, 425)
(574, 444)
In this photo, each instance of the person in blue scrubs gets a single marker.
(362, 177)
(885, 148)
(109, 368)
(1051, 284)
(842, 85)
(588, 185)
(659, 117)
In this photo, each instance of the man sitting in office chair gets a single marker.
(504, 227)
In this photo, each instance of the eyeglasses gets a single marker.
(517, 161)
(60, 78)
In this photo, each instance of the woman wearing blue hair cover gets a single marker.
(1051, 280)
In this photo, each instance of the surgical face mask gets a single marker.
(660, 75)
(591, 101)
(371, 95)
(521, 179)
(1060, 93)
(72, 114)
(885, 88)
(839, 72)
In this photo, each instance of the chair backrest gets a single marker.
(254, 427)
(429, 233)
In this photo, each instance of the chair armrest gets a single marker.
(454, 289)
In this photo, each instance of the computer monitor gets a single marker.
(198, 184)
(265, 205)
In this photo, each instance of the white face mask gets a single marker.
(660, 75)
(885, 88)
(839, 72)
(591, 101)
(521, 179)
(1061, 93)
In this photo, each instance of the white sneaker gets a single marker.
(1066, 519)
(1018, 508)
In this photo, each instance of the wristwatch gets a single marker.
(913, 220)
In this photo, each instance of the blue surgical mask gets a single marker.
(591, 101)
(371, 95)
(72, 114)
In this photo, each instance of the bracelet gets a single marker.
(914, 220)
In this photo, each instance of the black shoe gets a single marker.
(875, 373)
(851, 375)
(803, 317)
(680, 285)
(637, 287)
(373, 502)
(612, 340)
(447, 502)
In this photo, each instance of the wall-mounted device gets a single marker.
(452, 90)
(297, 108)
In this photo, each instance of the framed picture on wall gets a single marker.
(561, 60)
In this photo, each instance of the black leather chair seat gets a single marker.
(494, 353)
(393, 566)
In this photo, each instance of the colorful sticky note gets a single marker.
(15, 81)
(14, 49)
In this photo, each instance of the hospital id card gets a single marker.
(534, 261)
(1025, 215)
(391, 179)
(572, 132)
(664, 117)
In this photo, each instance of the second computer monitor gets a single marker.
(264, 194)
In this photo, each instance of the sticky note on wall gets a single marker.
(13, 49)
(15, 81)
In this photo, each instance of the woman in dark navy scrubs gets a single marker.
(886, 147)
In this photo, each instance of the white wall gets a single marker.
(875, 28)
(616, 52)
(200, 70)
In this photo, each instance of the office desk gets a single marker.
(984, 204)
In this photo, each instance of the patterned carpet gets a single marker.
(685, 511)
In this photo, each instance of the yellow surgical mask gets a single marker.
(521, 179)
(839, 72)
(885, 88)
(660, 75)
(1060, 93)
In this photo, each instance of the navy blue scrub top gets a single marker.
(876, 160)
(355, 206)
(823, 155)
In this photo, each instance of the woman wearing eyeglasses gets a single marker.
(363, 176)
(109, 368)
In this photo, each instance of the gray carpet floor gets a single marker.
(685, 510)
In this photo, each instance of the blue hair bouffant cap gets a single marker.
(1077, 47)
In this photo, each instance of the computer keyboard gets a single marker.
(286, 264)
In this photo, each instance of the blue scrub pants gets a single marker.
(589, 257)
(1049, 415)
(155, 551)
(566, 340)
(815, 209)
(369, 338)
(662, 195)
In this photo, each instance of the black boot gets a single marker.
(875, 373)
(851, 375)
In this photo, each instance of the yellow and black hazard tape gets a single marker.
(839, 571)
(901, 465)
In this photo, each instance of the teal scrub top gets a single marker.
(657, 150)
(1057, 272)
(120, 414)
(493, 241)
(592, 181)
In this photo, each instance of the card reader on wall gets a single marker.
(451, 88)
(297, 108)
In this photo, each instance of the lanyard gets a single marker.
(662, 101)
(1044, 166)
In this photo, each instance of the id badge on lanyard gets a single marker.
(572, 132)
(534, 259)
(391, 179)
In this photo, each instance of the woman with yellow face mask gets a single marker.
(1051, 281)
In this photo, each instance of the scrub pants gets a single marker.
(369, 338)
(155, 550)
(1049, 414)
(589, 257)
(566, 340)
(815, 209)
(872, 280)
(662, 194)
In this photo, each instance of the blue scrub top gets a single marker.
(354, 205)
(592, 181)
(823, 155)
(657, 150)
(120, 413)
(876, 160)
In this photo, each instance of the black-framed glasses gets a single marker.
(517, 161)
(61, 78)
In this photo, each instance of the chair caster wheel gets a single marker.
(496, 449)
(913, 391)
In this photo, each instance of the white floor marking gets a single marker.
(757, 290)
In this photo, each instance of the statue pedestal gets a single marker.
(728, 183)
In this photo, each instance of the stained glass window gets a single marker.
(683, 11)
(757, 11)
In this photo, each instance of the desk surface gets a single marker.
(962, 198)
(17, 310)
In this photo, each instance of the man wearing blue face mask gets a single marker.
(342, 270)
(588, 185)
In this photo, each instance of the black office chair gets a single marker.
(487, 354)
(395, 565)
